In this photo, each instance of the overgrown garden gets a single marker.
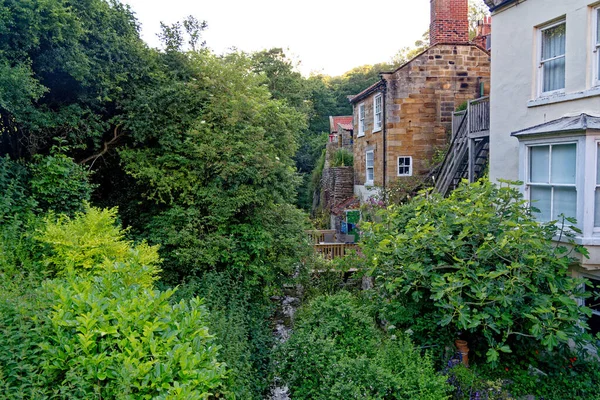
(151, 208)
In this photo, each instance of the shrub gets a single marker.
(102, 331)
(478, 262)
(240, 319)
(336, 351)
(342, 158)
(113, 336)
(59, 184)
(89, 240)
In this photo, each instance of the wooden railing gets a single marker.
(321, 235)
(478, 112)
(468, 148)
(330, 251)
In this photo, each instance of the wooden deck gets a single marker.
(329, 251)
(325, 242)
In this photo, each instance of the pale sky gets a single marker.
(326, 36)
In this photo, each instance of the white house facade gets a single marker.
(545, 110)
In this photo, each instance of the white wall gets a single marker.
(515, 69)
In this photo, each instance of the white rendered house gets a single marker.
(545, 110)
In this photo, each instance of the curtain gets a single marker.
(553, 50)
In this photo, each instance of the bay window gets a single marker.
(552, 57)
(552, 180)
(597, 189)
(596, 45)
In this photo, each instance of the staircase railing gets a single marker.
(468, 151)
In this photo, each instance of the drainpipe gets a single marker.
(384, 130)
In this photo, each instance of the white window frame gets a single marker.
(596, 184)
(361, 119)
(377, 114)
(595, 46)
(541, 62)
(367, 168)
(576, 185)
(410, 166)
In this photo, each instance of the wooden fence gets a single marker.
(329, 251)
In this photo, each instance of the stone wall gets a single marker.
(419, 101)
(337, 186)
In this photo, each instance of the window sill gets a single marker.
(375, 130)
(561, 97)
(360, 135)
(369, 184)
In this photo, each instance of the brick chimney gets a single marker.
(484, 30)
(449, 21)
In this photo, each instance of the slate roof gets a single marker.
(577, 123)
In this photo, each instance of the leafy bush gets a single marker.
(240, 319)
(89, 240)
(342, 158)
(478, 262)
(59, 184)
(102, 332)
(113, 336)
(336, 351)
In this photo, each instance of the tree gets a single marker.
(75, 62)
(478, 262)
(477, 12)
(406, 54)
(213, 158)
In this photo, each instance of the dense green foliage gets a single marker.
(342, 158)
(338, 352)
(100, 329)
(239, 318)
(477, 262)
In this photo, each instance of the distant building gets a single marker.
(400, 121)
(340, 131)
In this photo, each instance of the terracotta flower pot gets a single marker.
(463, 349)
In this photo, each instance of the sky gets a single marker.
(325, 36)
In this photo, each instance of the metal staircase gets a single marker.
(468, 153)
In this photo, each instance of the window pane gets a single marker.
(370, 159)
(597, 208)
(598, 25)
(554, 75)
(553, 41)
(539, 159)
(598, 164)
(553, 45)
(565, 202)
(564, 165)
(540, 199)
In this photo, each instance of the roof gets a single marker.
(346, 127)
(577, 123)
(374, 87)
(344, 120)
(377, 85)
(497, 4)
(351, 203)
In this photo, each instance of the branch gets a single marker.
(105, 147)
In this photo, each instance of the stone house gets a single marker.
(340, 131)
(545, 112)
(401, 120)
